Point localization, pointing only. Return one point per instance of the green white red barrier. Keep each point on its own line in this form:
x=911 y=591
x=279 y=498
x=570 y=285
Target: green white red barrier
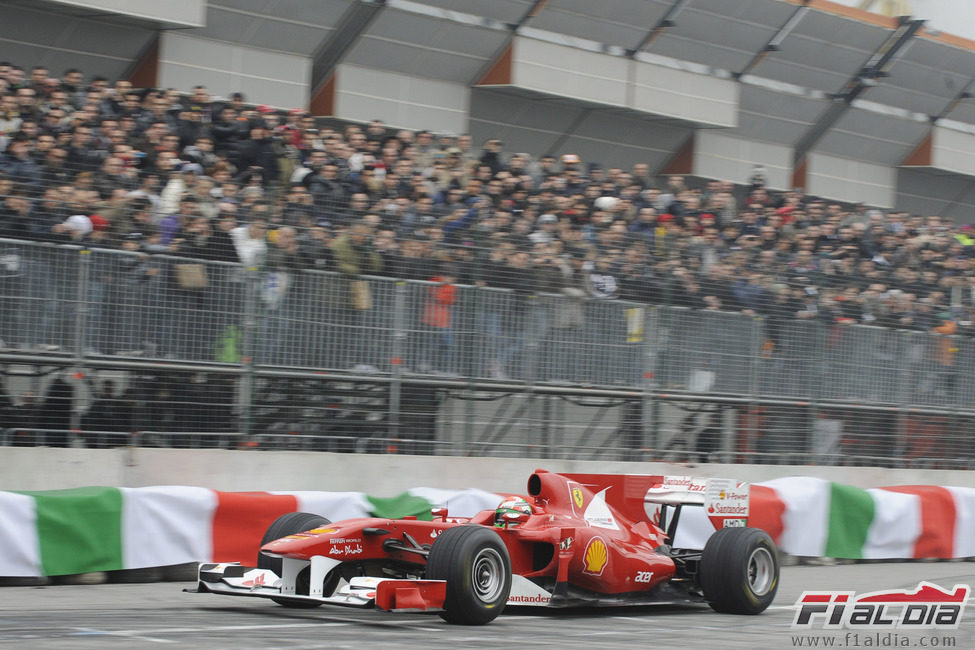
x=62 y=532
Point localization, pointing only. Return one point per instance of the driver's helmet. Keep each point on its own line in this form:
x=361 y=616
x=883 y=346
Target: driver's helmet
x=511 y=505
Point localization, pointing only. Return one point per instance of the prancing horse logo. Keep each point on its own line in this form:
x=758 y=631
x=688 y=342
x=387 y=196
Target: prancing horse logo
x=577 y=496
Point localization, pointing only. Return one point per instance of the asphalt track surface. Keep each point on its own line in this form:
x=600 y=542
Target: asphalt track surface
x=160 y=615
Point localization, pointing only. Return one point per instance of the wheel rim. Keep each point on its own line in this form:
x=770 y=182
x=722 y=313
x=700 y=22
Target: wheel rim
x=761 y=571
x=487 y=575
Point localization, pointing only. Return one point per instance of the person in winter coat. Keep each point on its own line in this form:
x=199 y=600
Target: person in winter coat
x=436 y=321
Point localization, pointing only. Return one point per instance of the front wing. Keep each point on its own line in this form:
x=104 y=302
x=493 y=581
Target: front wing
x=233 y=579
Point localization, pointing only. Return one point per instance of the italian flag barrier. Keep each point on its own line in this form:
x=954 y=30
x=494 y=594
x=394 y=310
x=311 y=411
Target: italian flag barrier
x=63 y=532
x=818 y=518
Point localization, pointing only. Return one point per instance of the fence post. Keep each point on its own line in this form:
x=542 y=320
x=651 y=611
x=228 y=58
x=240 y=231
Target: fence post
x=248 y=353
x=533 y=331
x=815 y=394
x=651 y=316
x=478 y=361
x=398 y=351
x=81 y=329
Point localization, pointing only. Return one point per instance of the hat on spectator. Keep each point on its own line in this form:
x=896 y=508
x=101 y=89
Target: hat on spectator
x=665 y=217
x=134 y=236
x=548 y=218
x=571 y=159
x=80 y=223
x=296 y=111
x=98 y=222
x=264 y=108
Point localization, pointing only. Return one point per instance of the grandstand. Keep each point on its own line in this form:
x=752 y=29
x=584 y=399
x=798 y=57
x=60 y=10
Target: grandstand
x=683 y=229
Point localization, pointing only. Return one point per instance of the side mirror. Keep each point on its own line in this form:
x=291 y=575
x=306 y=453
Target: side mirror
x=439 y=512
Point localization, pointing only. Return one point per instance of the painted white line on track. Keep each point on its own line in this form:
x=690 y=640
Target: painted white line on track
x=215 y=628
x=464 y=641
x=88 y=631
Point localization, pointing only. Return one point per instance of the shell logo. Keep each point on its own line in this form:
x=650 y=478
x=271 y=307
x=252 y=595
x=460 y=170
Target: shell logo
x=577 y=497
x=596 y=557
x=322 y=531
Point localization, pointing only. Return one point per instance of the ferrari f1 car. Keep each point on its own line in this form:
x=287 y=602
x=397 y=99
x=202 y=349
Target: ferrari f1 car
x=574 y=540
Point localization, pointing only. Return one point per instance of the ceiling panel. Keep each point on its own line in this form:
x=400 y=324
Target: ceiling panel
x=775 y=117
x=323 y=13
x=507 y=11
x=426 y=47
x=926 y=77
x=721 y=34
x=822 y=50
x=964 y=112
x=877 y=138
x=623 y=22
x=261 y=31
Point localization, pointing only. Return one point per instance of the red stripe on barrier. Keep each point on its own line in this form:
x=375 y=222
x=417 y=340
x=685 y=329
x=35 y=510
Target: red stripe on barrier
x=241 y=520
x=938 y=514
x=765 y=511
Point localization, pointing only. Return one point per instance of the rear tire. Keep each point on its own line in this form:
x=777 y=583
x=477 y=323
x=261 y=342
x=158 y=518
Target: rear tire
x=288 y=524
x=739 y=571
x=475 y=563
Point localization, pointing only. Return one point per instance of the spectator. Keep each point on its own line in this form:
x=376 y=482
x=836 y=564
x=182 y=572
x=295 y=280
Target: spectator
x=354 y=256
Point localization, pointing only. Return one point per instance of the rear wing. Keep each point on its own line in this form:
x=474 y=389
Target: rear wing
x=725 y=501
x=659 y=499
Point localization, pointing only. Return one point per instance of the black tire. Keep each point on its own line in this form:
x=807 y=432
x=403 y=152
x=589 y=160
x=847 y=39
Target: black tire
x=475 y=563
x=288 y=524
x=739 y=571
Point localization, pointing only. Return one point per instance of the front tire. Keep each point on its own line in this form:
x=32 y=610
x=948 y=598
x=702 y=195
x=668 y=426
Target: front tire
x=475 y=563
x=288 y=524
x=739 y=571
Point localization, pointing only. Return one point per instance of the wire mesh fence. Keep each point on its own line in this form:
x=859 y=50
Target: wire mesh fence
x=104 y=347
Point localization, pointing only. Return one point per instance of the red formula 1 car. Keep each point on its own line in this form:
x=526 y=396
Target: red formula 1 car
x=575 y=540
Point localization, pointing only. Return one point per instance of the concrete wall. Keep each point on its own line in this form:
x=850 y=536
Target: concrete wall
x=48 y=469
x=186 y=13
x=264 y=76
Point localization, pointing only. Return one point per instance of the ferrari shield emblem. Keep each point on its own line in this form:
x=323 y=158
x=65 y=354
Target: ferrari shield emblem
x=577 y=496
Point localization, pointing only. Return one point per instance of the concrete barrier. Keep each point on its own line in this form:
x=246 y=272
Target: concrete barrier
x=42 y=468
x=171 y=507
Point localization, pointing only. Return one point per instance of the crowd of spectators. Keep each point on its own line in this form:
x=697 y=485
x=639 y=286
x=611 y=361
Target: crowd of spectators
x=155 y=171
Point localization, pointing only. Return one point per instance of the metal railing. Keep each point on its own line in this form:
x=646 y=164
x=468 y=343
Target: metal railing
x=317 y=360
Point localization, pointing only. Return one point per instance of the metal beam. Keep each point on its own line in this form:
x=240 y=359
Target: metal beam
x=668 y=20
x=530 y=13
x=876 y=67
x=333 y=49
x=774 y=43
x=967 y=92
x=569 y=131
